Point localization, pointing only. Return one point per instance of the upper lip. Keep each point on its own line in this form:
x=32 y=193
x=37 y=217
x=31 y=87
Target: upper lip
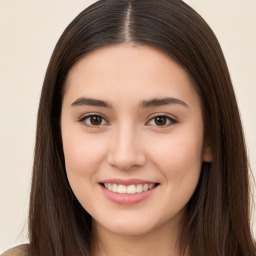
x=128 y=182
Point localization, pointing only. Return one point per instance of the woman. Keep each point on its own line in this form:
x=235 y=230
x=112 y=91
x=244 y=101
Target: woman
x=139 y=146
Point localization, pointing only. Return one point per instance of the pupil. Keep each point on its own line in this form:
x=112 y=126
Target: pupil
x=96 y=120
x=160 y=120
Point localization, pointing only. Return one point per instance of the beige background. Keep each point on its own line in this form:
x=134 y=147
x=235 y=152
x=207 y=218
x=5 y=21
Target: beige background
x=29 y=30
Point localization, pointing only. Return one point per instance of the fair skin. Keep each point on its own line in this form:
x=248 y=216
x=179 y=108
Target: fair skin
x=132 y=122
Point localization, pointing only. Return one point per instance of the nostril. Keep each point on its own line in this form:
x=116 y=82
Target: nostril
x=126 y=157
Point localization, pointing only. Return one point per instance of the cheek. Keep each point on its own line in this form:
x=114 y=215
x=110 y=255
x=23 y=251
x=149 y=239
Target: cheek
x=83 y=155
x=180 y=164
x=179 y=158
x=183 y=149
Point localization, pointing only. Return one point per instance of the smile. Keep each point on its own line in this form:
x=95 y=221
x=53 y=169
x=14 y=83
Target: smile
x=130 y=189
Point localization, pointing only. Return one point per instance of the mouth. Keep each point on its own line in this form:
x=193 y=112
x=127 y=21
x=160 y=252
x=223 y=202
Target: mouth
x=128 y=189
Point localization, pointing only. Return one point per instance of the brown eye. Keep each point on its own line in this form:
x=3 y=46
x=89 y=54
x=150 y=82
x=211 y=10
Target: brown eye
x=162 y=120
x=93 y=120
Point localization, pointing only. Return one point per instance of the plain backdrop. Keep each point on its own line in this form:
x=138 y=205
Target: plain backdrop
x=29 y=30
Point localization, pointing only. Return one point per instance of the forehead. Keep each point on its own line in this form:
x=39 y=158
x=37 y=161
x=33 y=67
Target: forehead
x=128 y=70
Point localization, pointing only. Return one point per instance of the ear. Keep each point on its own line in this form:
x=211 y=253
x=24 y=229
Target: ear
x=207 y=151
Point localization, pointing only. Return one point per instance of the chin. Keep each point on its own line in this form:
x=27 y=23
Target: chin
x=129 y=230
x=130 y=226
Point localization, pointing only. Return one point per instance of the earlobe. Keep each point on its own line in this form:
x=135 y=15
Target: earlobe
x=207 y=151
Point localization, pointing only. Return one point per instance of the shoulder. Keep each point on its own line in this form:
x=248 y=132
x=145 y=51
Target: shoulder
x=20 y=250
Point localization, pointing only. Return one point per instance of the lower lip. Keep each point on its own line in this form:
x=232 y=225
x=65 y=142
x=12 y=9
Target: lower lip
x=127 y=198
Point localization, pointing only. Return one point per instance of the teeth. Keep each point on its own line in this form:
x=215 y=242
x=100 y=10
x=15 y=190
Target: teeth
x=114 y=188
x=145 y=187
x=131 y=189
x=139 y=188
x=150 y=186
x=121 y=189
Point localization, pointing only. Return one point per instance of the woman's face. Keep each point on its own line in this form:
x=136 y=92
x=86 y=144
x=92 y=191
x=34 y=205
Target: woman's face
x=132 y=133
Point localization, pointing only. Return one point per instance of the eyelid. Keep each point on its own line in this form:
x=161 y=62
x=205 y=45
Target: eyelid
x=172 y=119
x=88 y=115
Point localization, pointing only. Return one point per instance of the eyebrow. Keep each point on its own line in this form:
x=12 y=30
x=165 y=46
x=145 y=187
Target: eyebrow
x=91 y=102
x=83 y=101
x=161 y=102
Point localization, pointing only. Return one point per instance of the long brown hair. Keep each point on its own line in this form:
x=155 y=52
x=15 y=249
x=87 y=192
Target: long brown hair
x=218 y=222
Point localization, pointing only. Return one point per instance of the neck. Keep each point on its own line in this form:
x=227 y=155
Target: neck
x=111 y=244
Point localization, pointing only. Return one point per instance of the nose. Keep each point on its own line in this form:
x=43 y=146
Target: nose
x=126 y=150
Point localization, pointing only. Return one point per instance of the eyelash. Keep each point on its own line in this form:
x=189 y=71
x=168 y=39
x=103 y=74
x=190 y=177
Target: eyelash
x=84 y=118
x=167 y=118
